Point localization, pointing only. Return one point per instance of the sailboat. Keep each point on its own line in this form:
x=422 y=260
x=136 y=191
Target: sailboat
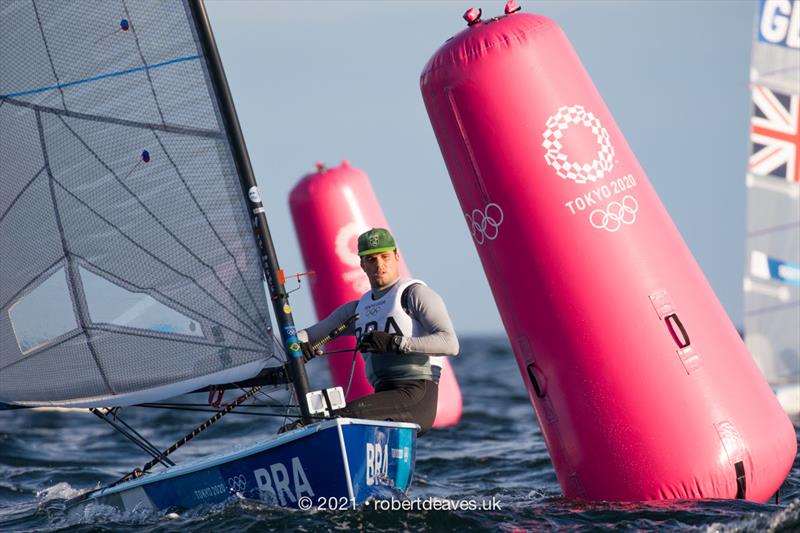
x=772 y=265
x=135 y=251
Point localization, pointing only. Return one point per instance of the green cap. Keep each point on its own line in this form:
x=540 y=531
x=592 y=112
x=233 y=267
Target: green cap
x=375 y=241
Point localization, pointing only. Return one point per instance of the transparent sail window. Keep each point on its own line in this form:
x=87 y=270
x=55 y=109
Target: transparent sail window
x=44 y=314
x=111 y=304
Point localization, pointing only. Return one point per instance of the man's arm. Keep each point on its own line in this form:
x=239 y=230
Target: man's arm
x=313 y=334
x=429 y=310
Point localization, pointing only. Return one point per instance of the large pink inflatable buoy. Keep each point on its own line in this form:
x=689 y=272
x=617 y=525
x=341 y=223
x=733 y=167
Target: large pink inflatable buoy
x=330 y=209
x=642 y=386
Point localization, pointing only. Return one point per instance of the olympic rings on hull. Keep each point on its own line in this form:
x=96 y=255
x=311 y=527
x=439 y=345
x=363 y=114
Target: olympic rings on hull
x=237 y=484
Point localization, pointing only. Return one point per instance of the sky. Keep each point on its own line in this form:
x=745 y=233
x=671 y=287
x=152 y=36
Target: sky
x=328 y=81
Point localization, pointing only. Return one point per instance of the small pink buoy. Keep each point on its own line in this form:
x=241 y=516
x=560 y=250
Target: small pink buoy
x=330 y=209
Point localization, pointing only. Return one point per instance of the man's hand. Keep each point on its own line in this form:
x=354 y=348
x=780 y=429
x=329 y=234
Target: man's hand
x=309 y=353
x=379 y=341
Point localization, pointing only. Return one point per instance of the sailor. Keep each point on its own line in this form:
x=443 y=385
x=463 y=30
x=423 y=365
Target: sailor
x=403 y=324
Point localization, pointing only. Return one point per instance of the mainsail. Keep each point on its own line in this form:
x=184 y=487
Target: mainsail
x=772 y=269
x=128 y=266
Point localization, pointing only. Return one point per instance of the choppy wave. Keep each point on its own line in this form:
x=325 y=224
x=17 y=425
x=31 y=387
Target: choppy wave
x=496 y=451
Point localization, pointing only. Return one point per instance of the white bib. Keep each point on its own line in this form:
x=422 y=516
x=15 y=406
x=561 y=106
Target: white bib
x=387 y=314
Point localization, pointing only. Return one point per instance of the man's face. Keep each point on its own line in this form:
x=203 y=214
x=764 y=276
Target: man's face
x=381 y=269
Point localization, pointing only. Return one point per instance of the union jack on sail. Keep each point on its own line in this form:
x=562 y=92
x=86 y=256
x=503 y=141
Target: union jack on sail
x=775 y=134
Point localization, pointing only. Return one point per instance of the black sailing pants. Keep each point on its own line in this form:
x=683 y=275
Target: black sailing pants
x=399 y=401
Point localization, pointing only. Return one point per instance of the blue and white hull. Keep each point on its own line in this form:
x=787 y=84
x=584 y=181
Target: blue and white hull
x=350 y=460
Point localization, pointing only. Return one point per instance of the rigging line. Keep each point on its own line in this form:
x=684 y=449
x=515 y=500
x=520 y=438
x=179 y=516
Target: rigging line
x=271 y=398
x=73 y=285
x=153 y=290
x=263 y=392
x=163 y=226
x=781 y=227
x=178 y=130
x=156 y=453
x=292 y=393
x=142 y=439
x=157 y=259
x=280 y=351
x=189 y=436
x=209 y=410
x=25 y=188
x=210 y=225
x=49 y=56
x=205 y=405
x=292 y=396
x=62 y=86
x=144 y=62
x=144 y=445
x=352 y=372
x=278 y=344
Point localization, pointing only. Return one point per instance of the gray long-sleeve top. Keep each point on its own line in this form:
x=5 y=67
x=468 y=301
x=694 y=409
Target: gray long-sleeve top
x=424 y=305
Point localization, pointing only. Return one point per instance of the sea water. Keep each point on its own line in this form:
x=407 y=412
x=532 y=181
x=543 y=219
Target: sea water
x=491 y=471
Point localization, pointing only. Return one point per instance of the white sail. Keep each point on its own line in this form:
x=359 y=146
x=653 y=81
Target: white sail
x=128 y=266
x=772 y=263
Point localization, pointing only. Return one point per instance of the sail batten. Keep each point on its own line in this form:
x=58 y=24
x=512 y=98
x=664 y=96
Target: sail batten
x=169 y=128
x=62 y=86
x=129 y=270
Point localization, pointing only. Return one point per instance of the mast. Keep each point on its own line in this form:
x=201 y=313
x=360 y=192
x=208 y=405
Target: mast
x=269 y=259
